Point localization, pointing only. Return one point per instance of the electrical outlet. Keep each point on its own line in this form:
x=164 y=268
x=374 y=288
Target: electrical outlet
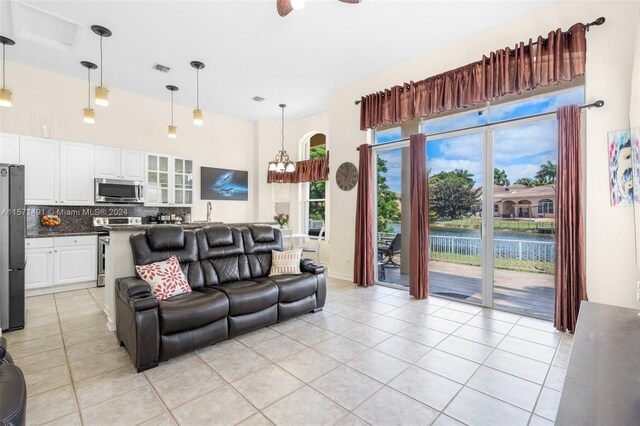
x=638 y=291
x=349 y=263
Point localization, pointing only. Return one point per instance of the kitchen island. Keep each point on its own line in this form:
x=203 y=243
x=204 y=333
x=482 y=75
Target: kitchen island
x=119 y=259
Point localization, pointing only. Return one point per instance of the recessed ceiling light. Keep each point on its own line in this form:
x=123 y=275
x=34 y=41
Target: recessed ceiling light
x=257 y=98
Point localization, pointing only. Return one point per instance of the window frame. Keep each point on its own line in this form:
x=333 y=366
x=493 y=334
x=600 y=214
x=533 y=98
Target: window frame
x=305 y=199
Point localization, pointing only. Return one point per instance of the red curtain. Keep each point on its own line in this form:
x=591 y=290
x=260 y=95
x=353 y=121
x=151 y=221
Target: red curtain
x=363 y=258
x=570 y=262
x=558 y=58
x=306 y=171
x=419 y=243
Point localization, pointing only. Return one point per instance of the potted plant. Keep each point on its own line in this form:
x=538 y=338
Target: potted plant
x=282 y=220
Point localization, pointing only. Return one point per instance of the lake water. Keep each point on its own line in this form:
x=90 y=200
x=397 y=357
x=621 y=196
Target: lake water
x=498 y=234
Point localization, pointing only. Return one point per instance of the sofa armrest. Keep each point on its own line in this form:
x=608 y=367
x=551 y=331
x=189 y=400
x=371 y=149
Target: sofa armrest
x=136 y=293
x=307 y=265
x=5 y=358
x=138 y=322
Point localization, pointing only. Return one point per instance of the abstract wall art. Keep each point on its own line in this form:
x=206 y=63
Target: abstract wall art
x=224 y=184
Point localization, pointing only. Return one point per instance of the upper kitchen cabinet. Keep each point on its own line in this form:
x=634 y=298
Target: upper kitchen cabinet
x=107 y=162
x=116 y=163
x=169 y=180
x=76 y=173
x=41 y=158
x=157 y=185
x=182 y=181
x=132 y=164
x=9 y=148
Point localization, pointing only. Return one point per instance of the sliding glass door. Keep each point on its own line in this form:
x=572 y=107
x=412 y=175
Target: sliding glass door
x=492 y=195
x=456 y=177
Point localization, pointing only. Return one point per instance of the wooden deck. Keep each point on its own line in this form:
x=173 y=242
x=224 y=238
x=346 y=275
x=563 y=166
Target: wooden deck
x=520 y=292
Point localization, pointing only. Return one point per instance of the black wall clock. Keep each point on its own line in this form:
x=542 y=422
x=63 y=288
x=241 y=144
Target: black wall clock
x=347 y=176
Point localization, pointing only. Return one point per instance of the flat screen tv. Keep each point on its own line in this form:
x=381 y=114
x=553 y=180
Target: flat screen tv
x=224 y=184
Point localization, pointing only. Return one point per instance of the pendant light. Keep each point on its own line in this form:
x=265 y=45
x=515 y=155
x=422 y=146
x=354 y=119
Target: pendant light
x=102 y=93
x=197 y=114
x=281 y=162
x=173 y=130
x=5 y=94
x=89 y=113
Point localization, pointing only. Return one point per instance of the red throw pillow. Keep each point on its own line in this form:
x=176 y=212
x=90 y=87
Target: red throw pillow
x=165 y=278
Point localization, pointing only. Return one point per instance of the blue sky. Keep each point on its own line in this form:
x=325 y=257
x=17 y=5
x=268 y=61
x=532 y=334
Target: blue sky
x=518 y=150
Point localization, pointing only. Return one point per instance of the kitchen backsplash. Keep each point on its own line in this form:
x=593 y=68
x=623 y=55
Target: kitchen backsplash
x=80 y=218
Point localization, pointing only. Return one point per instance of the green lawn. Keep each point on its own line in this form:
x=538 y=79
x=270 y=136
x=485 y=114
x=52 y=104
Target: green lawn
x=498 y=263
x=503 y=224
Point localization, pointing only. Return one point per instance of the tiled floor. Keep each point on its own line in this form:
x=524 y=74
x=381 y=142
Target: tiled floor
x=373 y=356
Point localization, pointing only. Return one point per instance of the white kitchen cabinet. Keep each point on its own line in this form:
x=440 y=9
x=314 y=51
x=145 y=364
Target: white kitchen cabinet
x=74 y=260
x=38 y=272
x=107 y=162
x=182 y=181
x=41 y=158
x=60 y=261
x=9 y=148
x=157 y=184
x=76 y=173
x=132 y=164
x=169 y=180
x=116 y=163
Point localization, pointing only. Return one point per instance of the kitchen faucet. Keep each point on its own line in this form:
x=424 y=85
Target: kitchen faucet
x=209 y=208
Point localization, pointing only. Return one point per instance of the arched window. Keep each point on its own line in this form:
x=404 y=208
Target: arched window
x=545 y=206
x=314 y=194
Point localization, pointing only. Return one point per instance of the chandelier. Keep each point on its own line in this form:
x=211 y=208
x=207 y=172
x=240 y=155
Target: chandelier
x=282 y=163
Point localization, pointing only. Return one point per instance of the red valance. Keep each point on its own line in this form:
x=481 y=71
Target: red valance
x=306 y=171
x=553 y=60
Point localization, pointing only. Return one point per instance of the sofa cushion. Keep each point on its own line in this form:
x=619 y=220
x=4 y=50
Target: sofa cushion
x=295 y=287
x=246 y=297
x=148 y=247
x=285 y=262
x=192 y=310
x=165 y=278
x=165 y=237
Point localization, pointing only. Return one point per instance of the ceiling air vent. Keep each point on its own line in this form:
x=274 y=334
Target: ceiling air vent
x=257 y=98
x=161 y=68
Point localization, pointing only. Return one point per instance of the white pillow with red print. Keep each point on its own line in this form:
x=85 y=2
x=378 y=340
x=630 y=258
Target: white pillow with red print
x=165 y=278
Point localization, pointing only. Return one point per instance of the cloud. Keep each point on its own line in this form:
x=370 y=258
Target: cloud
x=532 y=140
x=537 y=105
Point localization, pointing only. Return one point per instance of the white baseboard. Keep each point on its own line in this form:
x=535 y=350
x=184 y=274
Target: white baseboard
x=338 y=276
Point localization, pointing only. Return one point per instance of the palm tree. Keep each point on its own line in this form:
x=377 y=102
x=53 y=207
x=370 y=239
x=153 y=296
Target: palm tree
x=500 y=177
x=525 y=181
x=547 y=173
x=464 y=174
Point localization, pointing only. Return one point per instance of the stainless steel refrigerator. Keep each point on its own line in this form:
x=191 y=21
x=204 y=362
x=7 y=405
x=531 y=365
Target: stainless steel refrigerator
x=12 y=258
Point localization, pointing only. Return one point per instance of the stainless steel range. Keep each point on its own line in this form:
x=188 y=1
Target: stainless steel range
x=99 y=224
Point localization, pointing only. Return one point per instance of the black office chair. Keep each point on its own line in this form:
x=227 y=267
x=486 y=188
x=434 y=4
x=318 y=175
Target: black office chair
x=391 y=251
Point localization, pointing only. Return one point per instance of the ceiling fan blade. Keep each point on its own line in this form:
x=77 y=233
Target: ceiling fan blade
x=350 y=1
x=284 y=7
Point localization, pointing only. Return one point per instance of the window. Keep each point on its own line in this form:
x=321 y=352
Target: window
x=314 y=198
x=545 y=207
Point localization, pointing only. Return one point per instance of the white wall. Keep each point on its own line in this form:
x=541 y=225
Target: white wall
x=131 y=121
x=611 y=271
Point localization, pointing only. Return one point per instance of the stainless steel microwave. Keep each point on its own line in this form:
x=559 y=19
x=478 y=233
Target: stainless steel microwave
x=119 y=191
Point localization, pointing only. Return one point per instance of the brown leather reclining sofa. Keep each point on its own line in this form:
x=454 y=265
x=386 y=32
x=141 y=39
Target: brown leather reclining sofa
x=228 y=271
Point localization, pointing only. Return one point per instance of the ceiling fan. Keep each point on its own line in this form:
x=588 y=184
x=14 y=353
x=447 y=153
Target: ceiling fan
x=286 y=6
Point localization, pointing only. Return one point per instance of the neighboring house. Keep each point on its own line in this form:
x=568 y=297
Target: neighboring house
x=521 y=201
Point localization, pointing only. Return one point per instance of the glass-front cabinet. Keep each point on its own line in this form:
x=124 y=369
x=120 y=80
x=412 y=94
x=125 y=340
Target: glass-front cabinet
x=169 y=180
x=182 y=181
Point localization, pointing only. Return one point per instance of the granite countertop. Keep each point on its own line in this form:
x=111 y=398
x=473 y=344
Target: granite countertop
x=59 y=234
x=194 y=225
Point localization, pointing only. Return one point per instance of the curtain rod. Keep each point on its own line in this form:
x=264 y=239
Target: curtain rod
x=601 y=20
x=596 y=104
